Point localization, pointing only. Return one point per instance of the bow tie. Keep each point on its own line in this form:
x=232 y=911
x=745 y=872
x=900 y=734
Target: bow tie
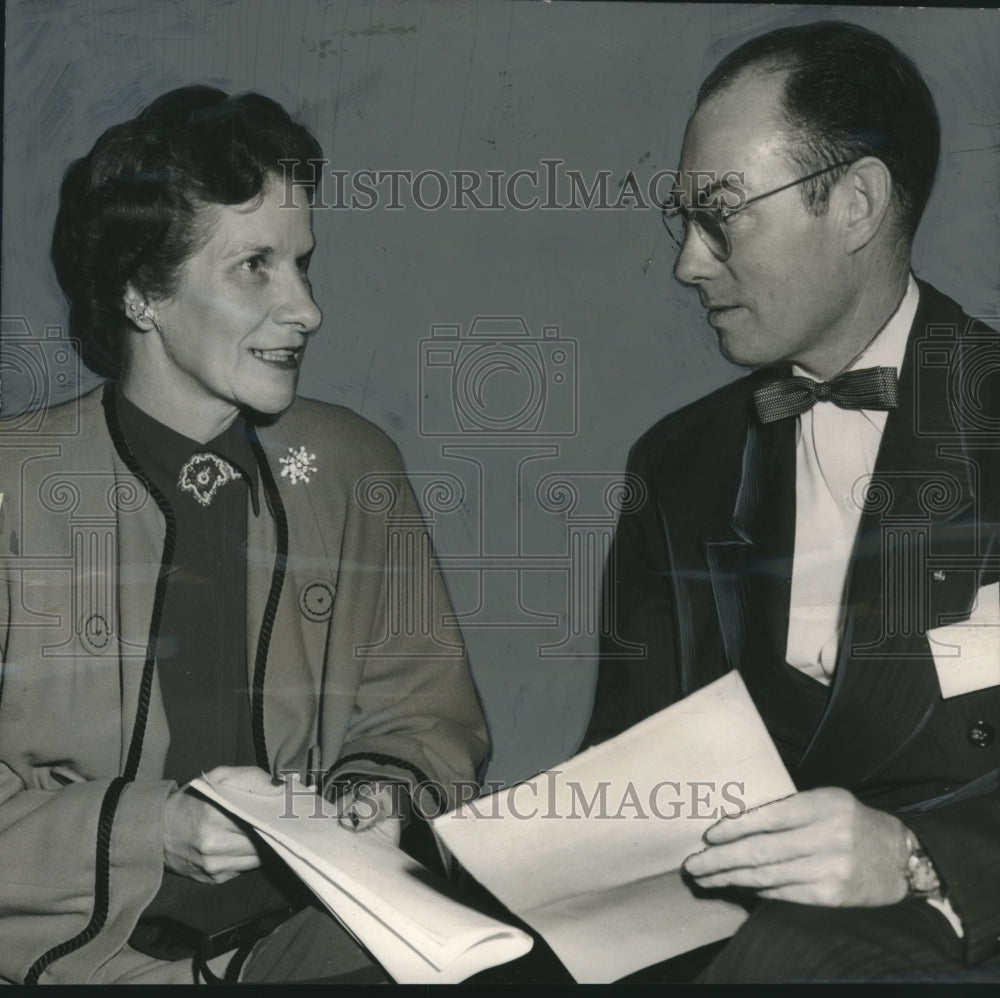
x=868 y=388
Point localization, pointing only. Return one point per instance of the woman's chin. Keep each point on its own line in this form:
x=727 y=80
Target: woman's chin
x=271 y=403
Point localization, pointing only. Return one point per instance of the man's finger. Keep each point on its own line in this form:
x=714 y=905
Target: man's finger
x=795 y=811
x=753 y=851
x=773 y=876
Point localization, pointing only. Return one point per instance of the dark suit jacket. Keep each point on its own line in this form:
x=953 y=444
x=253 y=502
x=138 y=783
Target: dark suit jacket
x=700 y=571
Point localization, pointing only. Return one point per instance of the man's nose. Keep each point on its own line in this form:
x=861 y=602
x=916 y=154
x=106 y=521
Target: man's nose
x=695 y=262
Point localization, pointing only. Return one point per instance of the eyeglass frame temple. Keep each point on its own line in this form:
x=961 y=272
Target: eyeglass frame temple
x=725 y=212
x=729 y=212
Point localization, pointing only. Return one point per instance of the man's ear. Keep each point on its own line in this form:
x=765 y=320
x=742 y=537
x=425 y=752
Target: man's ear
x=138 y=310
x=866 y=190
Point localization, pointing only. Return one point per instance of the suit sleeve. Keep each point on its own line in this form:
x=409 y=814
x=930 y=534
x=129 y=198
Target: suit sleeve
x=963 y=840
x=962 y=833
x=638 y=672
x=416 y=717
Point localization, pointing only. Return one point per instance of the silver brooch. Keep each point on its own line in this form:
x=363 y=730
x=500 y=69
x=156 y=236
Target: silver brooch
x=204 y=474
x=299 y=466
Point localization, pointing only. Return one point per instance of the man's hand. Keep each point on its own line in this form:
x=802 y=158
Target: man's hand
x=200 y=840
x=820 y=847
x=369 y=806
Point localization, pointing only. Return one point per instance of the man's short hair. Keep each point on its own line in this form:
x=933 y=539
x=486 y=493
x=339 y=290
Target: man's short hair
x=849 y=93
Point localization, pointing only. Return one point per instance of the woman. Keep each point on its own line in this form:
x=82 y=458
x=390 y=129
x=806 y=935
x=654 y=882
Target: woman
x=196 y=566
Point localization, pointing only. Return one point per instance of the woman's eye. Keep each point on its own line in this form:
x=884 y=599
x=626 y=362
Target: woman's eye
x=254 y=264
x=303 y=264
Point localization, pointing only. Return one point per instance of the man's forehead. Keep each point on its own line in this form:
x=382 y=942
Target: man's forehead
x=738 y=129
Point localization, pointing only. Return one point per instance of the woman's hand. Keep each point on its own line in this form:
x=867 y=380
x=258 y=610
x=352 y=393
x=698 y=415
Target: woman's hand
x=201 y=841
x=368 y=806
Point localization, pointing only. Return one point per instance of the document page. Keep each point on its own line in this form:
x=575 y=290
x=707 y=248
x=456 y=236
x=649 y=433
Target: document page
x=405 y=916
x=589 y=853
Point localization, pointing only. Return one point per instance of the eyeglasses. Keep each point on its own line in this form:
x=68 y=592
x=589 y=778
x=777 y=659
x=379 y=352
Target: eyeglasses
x=711 y=222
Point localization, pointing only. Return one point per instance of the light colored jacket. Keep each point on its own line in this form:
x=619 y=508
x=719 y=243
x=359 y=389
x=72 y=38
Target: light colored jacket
x=354 y=670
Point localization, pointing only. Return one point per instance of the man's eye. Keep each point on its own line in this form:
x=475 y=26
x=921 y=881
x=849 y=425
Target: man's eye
x=254 y=264
x=303 y=264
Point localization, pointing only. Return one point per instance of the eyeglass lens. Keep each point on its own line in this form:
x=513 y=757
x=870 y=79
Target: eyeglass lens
x=711 y=228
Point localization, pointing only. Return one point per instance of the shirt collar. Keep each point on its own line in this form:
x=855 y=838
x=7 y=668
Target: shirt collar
x=162 y=451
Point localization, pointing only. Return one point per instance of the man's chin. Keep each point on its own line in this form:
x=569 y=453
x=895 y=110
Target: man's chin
x=738 y=352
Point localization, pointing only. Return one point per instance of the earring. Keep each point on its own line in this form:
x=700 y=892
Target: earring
x=139 y=312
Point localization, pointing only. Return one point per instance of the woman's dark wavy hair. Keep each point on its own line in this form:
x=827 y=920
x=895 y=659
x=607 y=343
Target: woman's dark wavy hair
x=849 y=93
x=128 y=209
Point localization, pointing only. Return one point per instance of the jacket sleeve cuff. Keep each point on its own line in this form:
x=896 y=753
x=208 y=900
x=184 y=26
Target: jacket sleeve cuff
x=135 y=870
x=420 y=794
x=960 y=838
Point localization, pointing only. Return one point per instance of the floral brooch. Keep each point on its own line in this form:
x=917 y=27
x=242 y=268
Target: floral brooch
x=299 y=466
x=204 y=474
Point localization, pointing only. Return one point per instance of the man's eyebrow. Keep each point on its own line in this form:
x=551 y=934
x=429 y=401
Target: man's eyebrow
x=698 y=197
x=697 y=186
x=712 y=188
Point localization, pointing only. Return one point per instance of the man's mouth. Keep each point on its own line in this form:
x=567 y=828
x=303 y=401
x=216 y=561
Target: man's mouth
x=285 y=358
x=716 y=312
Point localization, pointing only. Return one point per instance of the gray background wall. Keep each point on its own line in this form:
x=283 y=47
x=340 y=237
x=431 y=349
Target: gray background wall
x=479 y=86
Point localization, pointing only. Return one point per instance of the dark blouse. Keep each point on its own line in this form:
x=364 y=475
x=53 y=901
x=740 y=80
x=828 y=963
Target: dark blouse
x=201 y=650
x=201 y=657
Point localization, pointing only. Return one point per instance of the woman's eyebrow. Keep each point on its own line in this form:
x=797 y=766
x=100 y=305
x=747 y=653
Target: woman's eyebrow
x=240 y=251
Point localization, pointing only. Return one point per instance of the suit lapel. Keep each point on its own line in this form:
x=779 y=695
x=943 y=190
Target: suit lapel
x=917 y=514
x=747 y=548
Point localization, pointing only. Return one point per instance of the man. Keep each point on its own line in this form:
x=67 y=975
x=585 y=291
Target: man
x=815 y=532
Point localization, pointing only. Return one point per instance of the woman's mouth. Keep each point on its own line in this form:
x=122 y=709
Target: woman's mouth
x=285 y=358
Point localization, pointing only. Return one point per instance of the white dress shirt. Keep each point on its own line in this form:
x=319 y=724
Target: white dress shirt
x=835 y=451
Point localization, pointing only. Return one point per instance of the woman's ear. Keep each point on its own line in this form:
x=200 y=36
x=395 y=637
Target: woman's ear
x=867 y=190
x=138 y=310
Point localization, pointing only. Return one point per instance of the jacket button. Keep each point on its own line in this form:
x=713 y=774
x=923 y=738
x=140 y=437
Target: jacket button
x=981 y=734
x=316 y=599
x=938 y=575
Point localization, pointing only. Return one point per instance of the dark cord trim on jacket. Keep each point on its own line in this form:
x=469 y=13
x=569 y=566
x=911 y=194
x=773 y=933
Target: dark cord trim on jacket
x=102 y=886
x=277 y=509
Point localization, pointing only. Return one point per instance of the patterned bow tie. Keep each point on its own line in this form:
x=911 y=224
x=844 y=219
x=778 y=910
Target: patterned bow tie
x=868 y=388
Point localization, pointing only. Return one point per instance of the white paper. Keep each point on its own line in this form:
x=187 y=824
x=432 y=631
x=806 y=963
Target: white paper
x=393 y=905
x=604 y=889
x=967 y=654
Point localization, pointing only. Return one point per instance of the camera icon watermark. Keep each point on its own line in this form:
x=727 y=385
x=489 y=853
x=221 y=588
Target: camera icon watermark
x=498 y=380
x=35 y=372
x=957 y=371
